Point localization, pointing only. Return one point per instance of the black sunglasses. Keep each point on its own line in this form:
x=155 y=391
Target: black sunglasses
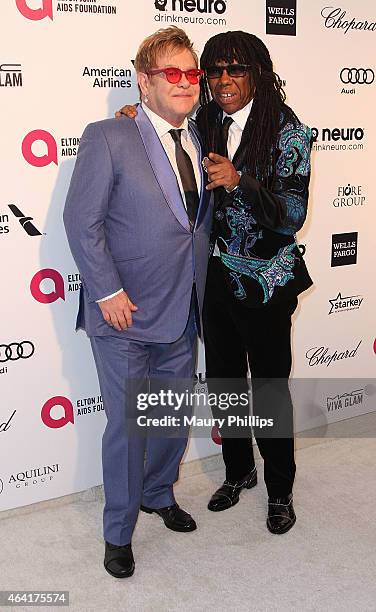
x=233 y=70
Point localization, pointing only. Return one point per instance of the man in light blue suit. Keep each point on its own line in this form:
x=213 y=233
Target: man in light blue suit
x=138 y=219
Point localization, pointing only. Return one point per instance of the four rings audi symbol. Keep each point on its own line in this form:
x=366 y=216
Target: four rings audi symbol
x=16 y=350
x=357 y=76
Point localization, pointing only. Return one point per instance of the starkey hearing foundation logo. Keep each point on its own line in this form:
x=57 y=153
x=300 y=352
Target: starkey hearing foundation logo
x=344 y=303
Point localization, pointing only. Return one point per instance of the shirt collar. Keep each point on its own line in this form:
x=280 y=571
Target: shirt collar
x=161 y=126
x=241 y=116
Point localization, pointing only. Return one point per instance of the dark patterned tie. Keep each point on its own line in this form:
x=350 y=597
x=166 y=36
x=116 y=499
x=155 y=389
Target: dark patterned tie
x=224 y=136
x=187 y=176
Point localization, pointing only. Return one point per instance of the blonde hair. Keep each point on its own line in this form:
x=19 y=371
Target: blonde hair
x=160 y=42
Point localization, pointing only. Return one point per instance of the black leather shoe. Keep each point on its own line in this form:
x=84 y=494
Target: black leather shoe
x=118 y=560
x=174 y=517
x=281 y=515
x=228 y=494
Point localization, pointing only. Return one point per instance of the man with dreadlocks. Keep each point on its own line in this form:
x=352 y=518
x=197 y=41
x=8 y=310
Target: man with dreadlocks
x=260 y=172
x=259 y=167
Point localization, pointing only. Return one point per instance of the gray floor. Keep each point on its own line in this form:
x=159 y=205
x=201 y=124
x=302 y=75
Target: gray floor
x=326 y=563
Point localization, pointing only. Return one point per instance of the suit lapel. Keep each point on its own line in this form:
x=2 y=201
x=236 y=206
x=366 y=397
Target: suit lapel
x=162 y=168
x=204 y=195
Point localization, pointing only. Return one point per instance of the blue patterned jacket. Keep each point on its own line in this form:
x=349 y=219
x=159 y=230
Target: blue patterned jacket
x=255 y=227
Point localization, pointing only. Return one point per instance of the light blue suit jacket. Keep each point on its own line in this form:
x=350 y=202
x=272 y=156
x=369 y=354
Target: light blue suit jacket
x=127 y=227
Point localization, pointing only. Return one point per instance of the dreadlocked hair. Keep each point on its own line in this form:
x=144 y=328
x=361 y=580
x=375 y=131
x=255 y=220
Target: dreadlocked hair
x=263 y=124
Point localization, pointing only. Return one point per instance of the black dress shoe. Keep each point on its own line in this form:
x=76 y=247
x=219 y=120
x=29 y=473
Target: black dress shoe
x=281 y=515
x=174 y=517
x=228 y=494
x=118 y=560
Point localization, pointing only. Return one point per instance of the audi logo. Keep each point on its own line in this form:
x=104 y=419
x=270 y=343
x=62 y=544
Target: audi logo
x=16 y=350
x=357 y=76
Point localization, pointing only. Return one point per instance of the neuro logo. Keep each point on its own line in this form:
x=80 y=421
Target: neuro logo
x=66 y=404
x=328 y=134
x=189 y=6
x=25 y=222
x=43 y=160
x=52 y=296
x=35 y=14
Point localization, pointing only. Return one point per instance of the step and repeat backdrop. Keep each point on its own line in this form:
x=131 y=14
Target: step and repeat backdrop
x=66 y=64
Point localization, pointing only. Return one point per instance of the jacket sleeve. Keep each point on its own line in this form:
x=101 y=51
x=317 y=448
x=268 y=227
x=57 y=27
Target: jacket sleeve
x=85 y=213
x=284 y=209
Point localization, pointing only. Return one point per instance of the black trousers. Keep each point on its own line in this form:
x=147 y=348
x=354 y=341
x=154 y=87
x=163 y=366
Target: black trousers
x=236 y=337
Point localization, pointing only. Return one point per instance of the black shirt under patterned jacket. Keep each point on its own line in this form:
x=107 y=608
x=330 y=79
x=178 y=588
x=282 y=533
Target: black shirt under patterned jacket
x=255 y=227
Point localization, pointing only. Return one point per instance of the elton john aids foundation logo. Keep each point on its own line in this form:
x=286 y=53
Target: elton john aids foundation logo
x=47 y=297
x=62 y=402
x=39 y=160
x=35 y=14
x=215 y=435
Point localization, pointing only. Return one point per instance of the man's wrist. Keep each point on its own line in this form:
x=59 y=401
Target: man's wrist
x=233 y=188
x=108 y=297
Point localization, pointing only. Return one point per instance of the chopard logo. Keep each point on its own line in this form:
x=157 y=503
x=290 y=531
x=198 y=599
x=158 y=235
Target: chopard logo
x=357 y=76
x=6 y=425
x=16 y=350
x=322 y=356
x=335 y=18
